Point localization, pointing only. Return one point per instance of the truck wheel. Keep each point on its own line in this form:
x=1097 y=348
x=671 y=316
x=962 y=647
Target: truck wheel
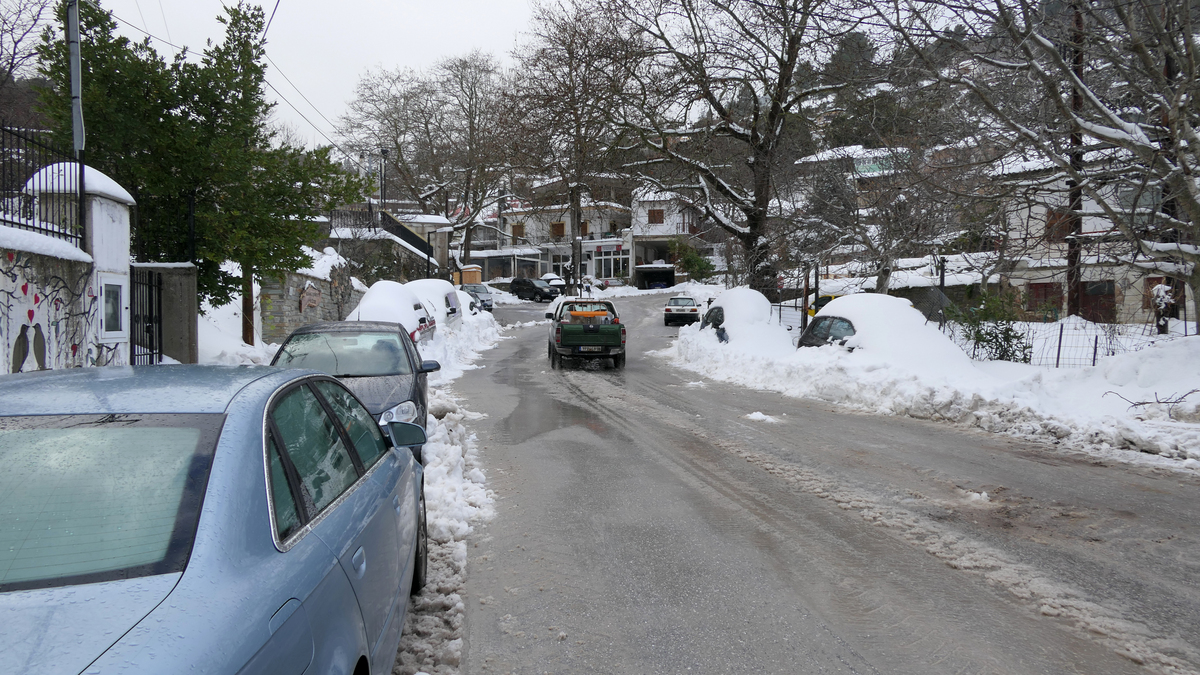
x=555 y=360
x=619 y=361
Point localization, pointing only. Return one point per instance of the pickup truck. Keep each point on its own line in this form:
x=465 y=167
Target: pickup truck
x=588 y=329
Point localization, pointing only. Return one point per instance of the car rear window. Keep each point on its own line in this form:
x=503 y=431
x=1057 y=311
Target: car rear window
x=684 y=302
x=346 y=354
x=88 y=498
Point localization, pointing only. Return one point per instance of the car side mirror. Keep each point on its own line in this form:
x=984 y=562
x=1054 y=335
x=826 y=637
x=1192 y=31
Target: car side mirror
x=407 y=435
x=549 y=315
x=422 y=320
x=452 y=310
x=429 y=367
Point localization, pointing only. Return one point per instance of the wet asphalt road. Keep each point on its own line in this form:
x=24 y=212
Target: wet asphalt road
x=644 y=525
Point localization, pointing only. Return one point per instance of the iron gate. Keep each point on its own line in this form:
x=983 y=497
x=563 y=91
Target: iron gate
x=145 y=320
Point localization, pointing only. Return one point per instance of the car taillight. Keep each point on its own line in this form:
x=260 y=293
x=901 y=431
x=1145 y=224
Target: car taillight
x=622 y=336
x=558 y=335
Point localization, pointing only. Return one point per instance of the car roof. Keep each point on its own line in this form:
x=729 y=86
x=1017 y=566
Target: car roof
x=347 y=327
x=133 y=389
x=682 y=297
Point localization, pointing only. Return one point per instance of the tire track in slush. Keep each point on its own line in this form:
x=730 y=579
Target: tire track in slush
x=1152 y=648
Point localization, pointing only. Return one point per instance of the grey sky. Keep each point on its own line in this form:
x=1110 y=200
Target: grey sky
x=323 y=47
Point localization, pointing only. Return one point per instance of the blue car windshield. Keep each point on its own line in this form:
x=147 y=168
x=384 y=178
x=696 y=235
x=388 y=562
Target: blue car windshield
x=88 y=498
x=346 y=354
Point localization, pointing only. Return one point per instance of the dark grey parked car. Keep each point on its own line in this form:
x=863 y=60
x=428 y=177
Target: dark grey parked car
x=374 y=359
x=826 y=330
x=533 y=289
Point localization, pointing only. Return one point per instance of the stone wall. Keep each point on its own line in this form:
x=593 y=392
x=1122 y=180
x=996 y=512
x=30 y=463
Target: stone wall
x=49 y=314
x=298 y=299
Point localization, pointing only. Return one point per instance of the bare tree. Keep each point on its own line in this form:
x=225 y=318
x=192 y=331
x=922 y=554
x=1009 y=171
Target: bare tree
x=20 y=21
x=717 y=91
x=563 y=91
x=1116 y=83
x=437 y=134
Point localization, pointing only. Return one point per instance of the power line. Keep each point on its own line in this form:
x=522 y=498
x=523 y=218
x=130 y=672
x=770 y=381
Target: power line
x=264 y=33
x=283 y=98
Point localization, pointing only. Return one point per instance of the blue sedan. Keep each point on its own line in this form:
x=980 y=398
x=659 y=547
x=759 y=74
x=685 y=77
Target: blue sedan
x=196 y=519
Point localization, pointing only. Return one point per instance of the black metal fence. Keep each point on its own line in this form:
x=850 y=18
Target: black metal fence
x=40 y=186
x=145 y=320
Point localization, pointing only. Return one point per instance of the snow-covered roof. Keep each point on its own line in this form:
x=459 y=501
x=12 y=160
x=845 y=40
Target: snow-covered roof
x=62 y=178
x=422 y=219
x=506 y=252
x=375 y=234
x=847 y=152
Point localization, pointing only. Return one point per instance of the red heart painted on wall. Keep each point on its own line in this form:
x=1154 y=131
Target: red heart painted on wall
x=25 y=288
x=31 y=316
x=36 y=300
x=74 y=348
x=10 y=257
x=57 y=303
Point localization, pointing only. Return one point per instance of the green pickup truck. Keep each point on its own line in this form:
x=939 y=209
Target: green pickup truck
x=587 y=329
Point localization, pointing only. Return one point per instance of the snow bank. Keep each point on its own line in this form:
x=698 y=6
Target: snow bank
x=902 y=367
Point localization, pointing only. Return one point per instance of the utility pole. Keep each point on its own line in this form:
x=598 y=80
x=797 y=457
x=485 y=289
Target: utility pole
x=1074 y=241
x=78 y=135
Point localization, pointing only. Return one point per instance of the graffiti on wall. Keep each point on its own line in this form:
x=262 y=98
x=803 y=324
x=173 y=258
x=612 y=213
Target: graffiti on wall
x=49 y=315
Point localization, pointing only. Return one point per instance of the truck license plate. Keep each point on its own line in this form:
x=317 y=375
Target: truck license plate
x=590 y=349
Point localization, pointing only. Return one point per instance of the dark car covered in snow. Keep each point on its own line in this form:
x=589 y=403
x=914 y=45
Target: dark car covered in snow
x=376 y=360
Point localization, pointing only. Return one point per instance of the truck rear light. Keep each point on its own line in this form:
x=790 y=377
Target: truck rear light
x=622 y=336
x=558 y=335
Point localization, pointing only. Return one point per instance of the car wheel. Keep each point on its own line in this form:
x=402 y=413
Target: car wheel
x=619 y=361
x=421 y=560
x=666 y=322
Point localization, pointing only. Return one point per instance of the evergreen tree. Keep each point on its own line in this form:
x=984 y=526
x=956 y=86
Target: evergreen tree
x=185 y=133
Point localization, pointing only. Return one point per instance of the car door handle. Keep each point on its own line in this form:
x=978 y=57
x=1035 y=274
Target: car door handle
x=359 y=562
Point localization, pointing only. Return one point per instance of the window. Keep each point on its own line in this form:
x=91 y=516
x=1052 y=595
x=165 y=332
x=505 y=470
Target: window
x=612 y=226
x=1043 y=296
x=359 y=425
x=315 y=447
x=346 y=353
x=1058 y=225
x=583 y=228
x=90 y=498
x=557 y=229
x=114 y=306
x=656 y=216
x=610 y=262
x=518 y=230
x=287 y=515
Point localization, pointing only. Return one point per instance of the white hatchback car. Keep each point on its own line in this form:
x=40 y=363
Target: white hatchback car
x=681 y=309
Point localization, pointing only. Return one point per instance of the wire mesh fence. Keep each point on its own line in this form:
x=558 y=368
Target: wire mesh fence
x=1074 y=342
x=40 y=186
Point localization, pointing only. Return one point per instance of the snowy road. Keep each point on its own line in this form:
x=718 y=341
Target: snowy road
x=649 y=522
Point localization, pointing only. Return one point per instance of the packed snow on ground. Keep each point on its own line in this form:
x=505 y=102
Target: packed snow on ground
x=456 y=497
x=1126 y=407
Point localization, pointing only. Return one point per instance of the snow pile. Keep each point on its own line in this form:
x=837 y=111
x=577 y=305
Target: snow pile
x=219 y=331
x=387 y=301
x=900 y=366
x=458 y=347
x=456 y=499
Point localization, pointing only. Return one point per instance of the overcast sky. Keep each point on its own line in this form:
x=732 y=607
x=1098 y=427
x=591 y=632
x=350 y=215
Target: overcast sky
x=324 y=47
